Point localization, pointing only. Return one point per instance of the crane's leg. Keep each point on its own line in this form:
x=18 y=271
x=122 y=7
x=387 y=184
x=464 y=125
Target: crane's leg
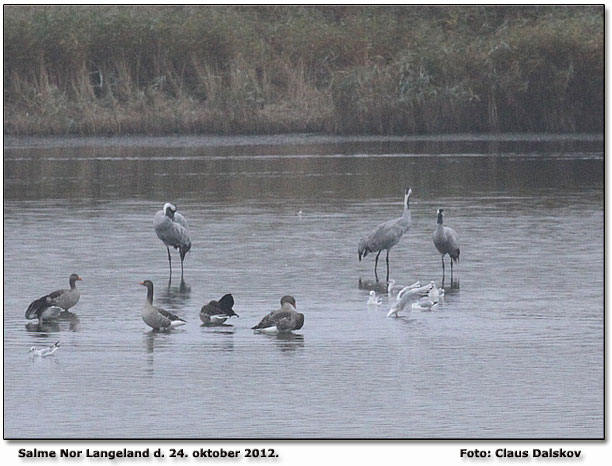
x=376 y=265
x=442 y=270
x=387 y=266
x=451 y=262
x=169 y=260
x=182 y=268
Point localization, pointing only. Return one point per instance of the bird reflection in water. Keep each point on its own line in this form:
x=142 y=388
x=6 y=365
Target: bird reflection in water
x=287 y=342
x=379 y=287
x=223 y=329
x=46 y=326
x=174 y=295
x=74 y=323
x=53 y=326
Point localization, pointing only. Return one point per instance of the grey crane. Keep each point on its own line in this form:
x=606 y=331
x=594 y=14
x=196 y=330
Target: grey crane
x=446 y=241
x=171 y=227
x=50 y=306
x=386 y=235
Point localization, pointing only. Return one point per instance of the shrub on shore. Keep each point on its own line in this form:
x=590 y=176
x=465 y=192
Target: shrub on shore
x=342 y=69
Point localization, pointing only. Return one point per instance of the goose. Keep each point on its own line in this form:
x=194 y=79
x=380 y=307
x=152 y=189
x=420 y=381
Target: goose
x=374 y=300
x=44 y=352
x=446 y=241
x=282 y=320
x=50 y=306
x=386 y=235
x=171 y=227
x=156 y=317
x=217 y=312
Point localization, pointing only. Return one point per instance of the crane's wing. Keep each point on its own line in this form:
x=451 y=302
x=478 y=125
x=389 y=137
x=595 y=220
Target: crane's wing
x=178 y=218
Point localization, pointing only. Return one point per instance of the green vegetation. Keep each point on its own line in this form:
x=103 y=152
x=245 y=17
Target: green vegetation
x=268 y=69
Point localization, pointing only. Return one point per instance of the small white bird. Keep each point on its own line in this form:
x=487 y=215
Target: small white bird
x=425 y=304
x=392 y=287
x=436 y=293
x=430 y=296
x=44 y=352
x=413 y=290
x=374 y=300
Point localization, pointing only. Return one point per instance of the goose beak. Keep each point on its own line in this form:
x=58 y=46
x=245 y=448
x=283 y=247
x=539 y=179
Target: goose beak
x=141 y=283
x=79 y=278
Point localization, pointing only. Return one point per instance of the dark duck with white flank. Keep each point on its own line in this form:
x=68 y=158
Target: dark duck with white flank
x=217 y=312
x=50 y=306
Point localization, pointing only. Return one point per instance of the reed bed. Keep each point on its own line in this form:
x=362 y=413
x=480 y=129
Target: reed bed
x=95 y=70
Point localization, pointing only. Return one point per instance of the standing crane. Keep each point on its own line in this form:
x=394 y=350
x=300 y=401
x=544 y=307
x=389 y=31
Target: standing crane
x=386 y=235
x=446 y=241
x=171 y=227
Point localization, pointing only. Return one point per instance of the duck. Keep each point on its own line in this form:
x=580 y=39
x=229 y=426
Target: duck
x=156 y=317
x=44 y=352
x=283 y=320
x=217 y=312
x=50 y=306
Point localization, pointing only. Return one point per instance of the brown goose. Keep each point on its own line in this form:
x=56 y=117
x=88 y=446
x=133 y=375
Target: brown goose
x=50 y=306
x=282 y=320
x=156 y=317
x=217 y=312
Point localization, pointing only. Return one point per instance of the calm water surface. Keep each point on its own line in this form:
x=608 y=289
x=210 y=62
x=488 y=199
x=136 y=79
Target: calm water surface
x=516 y=351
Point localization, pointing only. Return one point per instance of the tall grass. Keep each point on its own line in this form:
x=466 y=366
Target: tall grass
x=343 y=69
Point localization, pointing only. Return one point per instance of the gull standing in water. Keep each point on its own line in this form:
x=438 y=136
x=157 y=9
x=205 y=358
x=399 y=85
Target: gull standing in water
x=171 y=227
x=156 y=317
x=446 y=241
x=386 y=235
x=282 y=320
x=217 y=312
x=374 y=300
x=44 y=352
x=50 y=306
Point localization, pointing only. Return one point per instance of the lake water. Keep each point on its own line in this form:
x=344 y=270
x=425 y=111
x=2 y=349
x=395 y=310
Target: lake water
x=516 y=351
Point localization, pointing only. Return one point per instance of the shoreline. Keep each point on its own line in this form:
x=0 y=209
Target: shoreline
x=215 y=140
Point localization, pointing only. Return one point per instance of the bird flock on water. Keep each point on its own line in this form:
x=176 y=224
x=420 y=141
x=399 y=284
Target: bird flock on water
x=172 y=229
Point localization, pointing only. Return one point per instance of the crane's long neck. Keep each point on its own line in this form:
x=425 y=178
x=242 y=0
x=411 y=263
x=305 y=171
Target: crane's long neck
x=406 y=215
